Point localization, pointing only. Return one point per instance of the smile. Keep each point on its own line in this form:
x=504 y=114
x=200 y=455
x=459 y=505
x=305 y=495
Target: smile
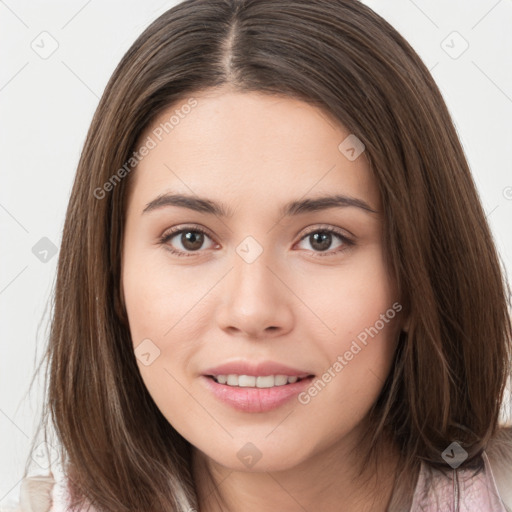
x=251 y=394
x=252 y=381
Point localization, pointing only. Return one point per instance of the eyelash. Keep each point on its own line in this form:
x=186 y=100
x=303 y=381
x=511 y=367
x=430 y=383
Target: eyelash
x=196 y=229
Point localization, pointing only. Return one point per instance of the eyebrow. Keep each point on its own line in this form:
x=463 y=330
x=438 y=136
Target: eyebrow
x=219 y=209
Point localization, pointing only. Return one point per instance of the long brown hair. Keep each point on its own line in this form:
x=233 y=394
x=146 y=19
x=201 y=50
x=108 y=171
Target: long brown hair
x=451 y=367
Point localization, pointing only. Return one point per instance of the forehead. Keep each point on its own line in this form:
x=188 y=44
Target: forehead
x=249 y=147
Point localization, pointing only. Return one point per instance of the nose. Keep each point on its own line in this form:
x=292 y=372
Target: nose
x=256 y=300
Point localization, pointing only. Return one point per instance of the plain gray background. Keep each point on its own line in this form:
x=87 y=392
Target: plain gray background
x=56 y=60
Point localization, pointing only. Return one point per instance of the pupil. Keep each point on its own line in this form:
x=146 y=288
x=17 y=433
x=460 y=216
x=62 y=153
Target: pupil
x=192 y=240
x=324 y=243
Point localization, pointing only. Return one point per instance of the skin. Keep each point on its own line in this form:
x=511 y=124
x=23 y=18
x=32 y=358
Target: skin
x=295 y=304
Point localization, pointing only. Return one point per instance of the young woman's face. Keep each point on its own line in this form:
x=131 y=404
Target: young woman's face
x=269 y=288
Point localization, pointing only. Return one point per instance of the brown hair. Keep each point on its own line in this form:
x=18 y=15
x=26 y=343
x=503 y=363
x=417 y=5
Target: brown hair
x=451 y=367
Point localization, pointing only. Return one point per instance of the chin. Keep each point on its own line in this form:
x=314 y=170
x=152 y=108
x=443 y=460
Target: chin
x=257 y=457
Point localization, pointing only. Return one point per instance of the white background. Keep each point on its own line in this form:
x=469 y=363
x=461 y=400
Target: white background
x=46 y=106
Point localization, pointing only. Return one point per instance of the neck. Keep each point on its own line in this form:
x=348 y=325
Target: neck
x=326 y=481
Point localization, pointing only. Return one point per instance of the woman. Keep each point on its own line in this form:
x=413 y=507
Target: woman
x=277 y=287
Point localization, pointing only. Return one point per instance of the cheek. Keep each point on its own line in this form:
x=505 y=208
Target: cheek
x=361 y=310
x=351 y=299
x=357 y=363
x=157 y=316
x=166 y=309
x=160 y=299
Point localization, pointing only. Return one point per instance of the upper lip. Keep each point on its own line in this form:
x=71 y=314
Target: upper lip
x=256 y=369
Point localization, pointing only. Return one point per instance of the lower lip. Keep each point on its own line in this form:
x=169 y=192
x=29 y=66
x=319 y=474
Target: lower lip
x=255 y=399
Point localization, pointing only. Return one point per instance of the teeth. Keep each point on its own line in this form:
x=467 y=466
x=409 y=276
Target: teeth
x=246 y=381
x=232 y=380
x=271 y=381
x=250 y=381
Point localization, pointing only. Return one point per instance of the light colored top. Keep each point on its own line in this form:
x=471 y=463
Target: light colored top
x=434 y=492
x=437 y=492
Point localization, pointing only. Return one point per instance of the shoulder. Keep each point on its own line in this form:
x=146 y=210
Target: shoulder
x=35 y=495
x=44 y=493
x=499 y=453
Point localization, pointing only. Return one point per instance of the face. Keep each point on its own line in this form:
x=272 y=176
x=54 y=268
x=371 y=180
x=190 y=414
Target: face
x=256 y=288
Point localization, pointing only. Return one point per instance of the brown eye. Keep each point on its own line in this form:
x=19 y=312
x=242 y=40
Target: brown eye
x=185 y=241
x=192 y=240
x=321 y=240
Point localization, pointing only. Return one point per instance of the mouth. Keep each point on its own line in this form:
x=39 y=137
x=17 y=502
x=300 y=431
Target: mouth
x=257 y=381
x=256 y=394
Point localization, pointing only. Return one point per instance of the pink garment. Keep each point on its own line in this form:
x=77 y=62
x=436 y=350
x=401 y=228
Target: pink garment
x=476 y=493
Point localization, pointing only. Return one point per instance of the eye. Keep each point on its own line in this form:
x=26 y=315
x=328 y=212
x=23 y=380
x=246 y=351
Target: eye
x=191 y=240
x=321 y=240
x=193 y=237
